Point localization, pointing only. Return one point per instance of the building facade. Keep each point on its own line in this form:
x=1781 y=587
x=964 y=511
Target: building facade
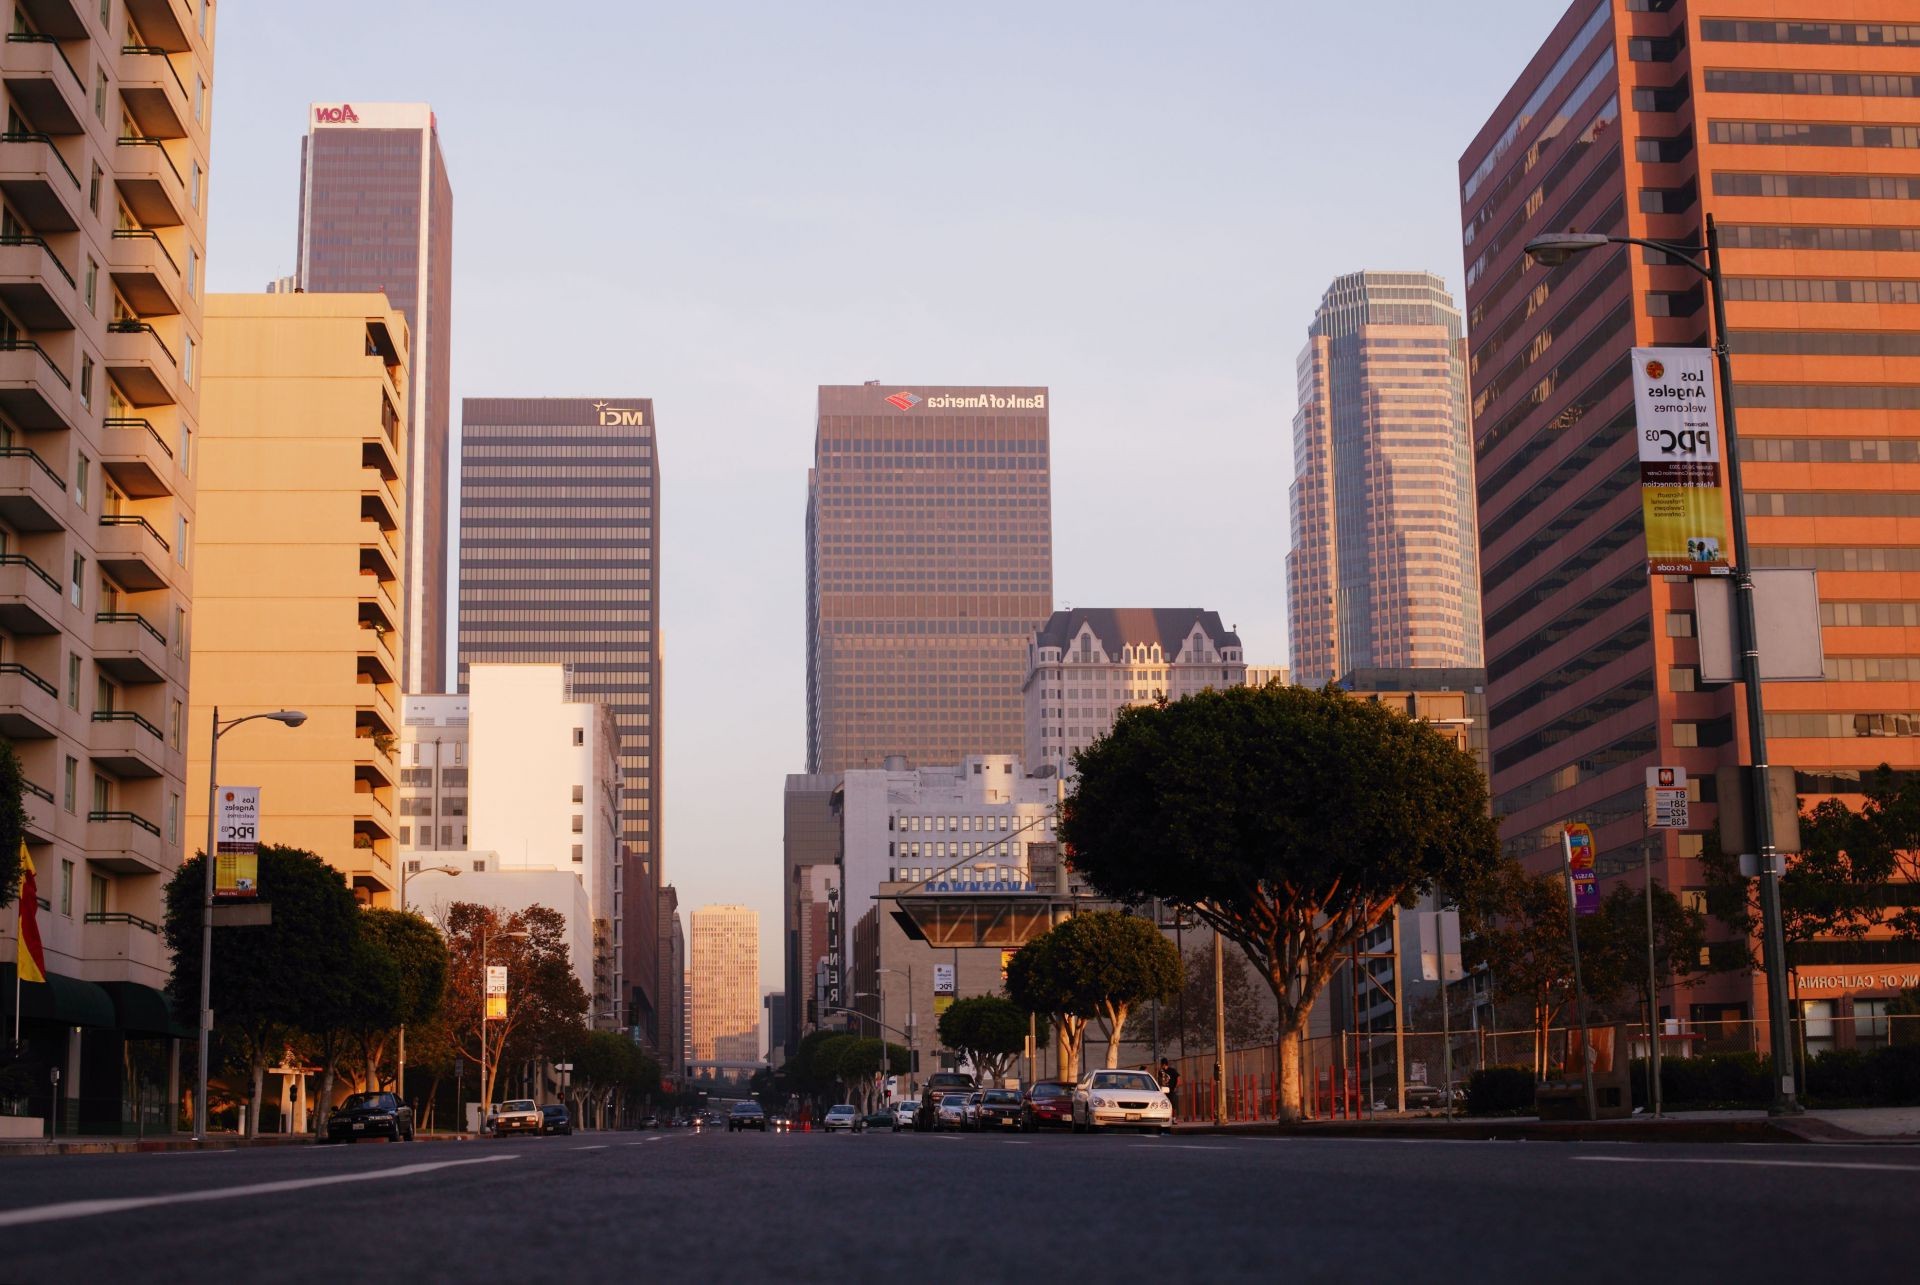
x=1794 y=129
x=102 y=252
x=376 y=215
x=303 y=502
x=723 y=971
x=1086 y=665
x=929 y=565
x=434 y=777
x=559 y=564
x=672 y=965
x=809 y=842
x=1385 y=555
x=674 y=988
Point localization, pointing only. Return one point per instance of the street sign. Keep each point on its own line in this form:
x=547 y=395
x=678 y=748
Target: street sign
x=236 y=866
x=1439 y=932
x=1667 y=809
x=943 y=979
x=1666 y=778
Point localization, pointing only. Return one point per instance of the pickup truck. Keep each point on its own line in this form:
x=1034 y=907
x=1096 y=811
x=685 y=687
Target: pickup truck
x=518 y=1116
x=938 y=1085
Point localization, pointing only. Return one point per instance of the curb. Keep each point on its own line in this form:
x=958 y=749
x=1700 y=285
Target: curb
x=1694 y=1131
x=139 y=1146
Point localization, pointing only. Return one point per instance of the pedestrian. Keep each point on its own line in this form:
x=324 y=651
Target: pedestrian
x=1169 y=1077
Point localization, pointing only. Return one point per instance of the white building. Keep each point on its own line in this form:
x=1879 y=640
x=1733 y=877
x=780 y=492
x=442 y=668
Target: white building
x=1261 y=675
x=1084 y=666
x=481 y=879
x=433 y=775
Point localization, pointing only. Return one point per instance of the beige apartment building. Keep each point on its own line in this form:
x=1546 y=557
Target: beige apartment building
x=723 y=976
x=302 y=493
x=102 y=241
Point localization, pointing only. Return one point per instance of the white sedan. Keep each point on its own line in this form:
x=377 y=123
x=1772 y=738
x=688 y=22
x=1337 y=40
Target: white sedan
x=842 y=1117
x=1130 y=1099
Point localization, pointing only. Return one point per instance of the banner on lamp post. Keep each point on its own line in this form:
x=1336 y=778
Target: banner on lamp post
x=236 y=865
x=1678 y=427
x=496 y=992
x=1581 y=875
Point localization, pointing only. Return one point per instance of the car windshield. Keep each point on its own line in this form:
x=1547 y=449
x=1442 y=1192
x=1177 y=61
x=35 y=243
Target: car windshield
x=746 y=1108
x=1138 y=1081
x=1049 y=1091
x=519 y=1104
x=555 y=1109
x=1004 y=1097
x=369 y=1102
x=841 y=1110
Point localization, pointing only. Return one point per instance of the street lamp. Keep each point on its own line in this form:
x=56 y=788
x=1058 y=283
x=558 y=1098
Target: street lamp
x=1556 y=248
x=292 y=718
x=883 y=1014
x=485 y=938
x=400 y=1057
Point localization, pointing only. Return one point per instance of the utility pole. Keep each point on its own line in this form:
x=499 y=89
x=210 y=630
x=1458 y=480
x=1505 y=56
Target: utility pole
x=1219 y=1030
x=1653 y=989
x=1399 y=1023
x=1579 y=987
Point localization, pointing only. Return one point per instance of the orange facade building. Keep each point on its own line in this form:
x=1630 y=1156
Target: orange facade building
x=1797 y=125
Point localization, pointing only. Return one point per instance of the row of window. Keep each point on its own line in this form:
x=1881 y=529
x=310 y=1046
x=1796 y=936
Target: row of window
x=1830 y=450
x=1821 y=290
x=1812 y=134
x=1748 y=31
x=1823 y=83
x=1828 y=396
x=1832 y=504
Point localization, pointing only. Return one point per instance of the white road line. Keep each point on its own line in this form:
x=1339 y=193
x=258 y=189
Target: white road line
x=92 y=1208
x=601 y=1147
x=1764 y=1164
x=1175 y=1146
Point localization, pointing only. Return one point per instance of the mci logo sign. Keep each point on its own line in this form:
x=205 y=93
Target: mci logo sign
x=619 y=416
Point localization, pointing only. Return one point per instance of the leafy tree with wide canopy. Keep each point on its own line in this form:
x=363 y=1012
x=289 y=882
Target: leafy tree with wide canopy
x=546 y=1005
x=1038 y=981
x=419 y=956
x=990 y=1031
x=1292 y=820
x=1100 y=965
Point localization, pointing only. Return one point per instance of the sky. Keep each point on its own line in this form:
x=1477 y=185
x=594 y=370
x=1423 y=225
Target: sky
x=722 y=206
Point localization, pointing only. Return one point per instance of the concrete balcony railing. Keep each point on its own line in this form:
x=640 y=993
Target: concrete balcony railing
x=29 y=704
x=125 y=843
x=111 y=934
x=127 y=744
x=35 y=285
x=130 y=647
x=144 y=272
x=39 y=183
x=32 y=496
x=42 y=813
x=163 y=23
x=150 y=183
x=140 y=362
x=138 y=459
x=31 y=601
x=153 y=92
x=34 y=392
x=43 y=81
x=133 y=552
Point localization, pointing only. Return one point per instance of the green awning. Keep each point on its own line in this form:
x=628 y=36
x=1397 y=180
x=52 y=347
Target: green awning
x=140 y=1010
x=63 y=999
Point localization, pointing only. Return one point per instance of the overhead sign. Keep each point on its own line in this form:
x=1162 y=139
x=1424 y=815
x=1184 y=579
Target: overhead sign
x=236 y=867
x=943 y=979
x=1581 y=875
x=496 y=991
x=1681 y=504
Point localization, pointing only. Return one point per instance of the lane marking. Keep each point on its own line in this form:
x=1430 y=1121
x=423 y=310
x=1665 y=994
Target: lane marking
x=92 y=1208
x=601 y=1147
x=1763 y=1164
x=1174 y=1146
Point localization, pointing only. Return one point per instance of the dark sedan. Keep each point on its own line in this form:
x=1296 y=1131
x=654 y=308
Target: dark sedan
x=999 y=1109
x=554 y=1119
x=370 y=1115
x=746 y=1115
x=1047 y=1103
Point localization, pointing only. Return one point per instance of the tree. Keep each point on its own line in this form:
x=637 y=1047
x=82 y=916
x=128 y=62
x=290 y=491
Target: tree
x=340 y=1018
x=1108 y=962
x=1880 y=846
x=1247 y=1021
x=814 y=1069
x=546 y=1005
x=1835 y=886
x=1291 y=820
x=13 y=823
x=1037 y=982
x=419 y=956
x=990 y=1031
x=272 y=980
x=856 y=1067
x=612 y=1072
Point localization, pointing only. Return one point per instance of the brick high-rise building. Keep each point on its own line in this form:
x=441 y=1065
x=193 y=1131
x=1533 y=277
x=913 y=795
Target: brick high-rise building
x=376 y=214
x=1384 y=564
x=559 y=562
x=929 y=566
x=1795 y=125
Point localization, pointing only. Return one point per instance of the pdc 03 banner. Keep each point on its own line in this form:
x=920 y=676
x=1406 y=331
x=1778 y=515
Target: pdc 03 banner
x=1679 y=430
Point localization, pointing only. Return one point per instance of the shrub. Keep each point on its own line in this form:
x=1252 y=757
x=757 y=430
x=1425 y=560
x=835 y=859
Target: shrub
x=1500 y=1090
x=1840 y=1075
x=1716 y=1079
x=1895 y=1074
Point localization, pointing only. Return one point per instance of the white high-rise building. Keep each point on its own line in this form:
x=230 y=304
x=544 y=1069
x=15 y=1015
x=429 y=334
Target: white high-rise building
x=723 y=978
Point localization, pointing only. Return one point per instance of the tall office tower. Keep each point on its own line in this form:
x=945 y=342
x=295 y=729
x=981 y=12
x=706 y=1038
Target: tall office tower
x=1384 y=562
x=559 y=559
x=723 y=970
x=809 y=843
x=376 y=214
x=1087 y=664
x=673 y=1002
x=929 y=566
x=302 y=495
x=102 y=244
x=1795 y=132
x=670 y=1035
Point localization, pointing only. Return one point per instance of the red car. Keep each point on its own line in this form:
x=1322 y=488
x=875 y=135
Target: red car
x=1047 y=1102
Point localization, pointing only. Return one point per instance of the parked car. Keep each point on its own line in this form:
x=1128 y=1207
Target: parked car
x=746 y=1115
x=521 y=1115
x=370 y=1115
x=1124 y=1098
x=938 y=1086
x=954 y=1112
x=903 y=1113
x=843 y=1118
x=780 y=1124
x=1047 y=1104
x=554 y=1118
x=998 y=1109
x=880 y=1119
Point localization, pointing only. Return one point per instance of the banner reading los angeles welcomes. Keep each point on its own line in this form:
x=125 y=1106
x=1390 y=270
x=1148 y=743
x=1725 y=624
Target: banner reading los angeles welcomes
x=1679 y=432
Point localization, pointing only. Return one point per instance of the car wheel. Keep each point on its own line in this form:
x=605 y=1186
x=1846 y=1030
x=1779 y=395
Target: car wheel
x=394 y=1134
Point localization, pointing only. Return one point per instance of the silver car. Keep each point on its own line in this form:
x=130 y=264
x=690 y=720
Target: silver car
x=1128 y=1099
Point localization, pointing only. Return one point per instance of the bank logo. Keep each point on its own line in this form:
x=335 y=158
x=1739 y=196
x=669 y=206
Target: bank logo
x=619 y=416
x=904 y=401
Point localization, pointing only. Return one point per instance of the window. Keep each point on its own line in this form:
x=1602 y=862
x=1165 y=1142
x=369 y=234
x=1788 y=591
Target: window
x=193 y=188
x=74 y=590
x=579 y=795
x=106 y=15
x=175 y=713
x=1679 y=624
x=66 y=887
x=579 y=823
x=90 y=285
x=73 y=681
x=579 y=736
x=193 y=272
x=96 y=894
x=1683 y=678
x=1869 y=1023
x=82 y=468
x=406 y=835
x=579 y=853
x=1686 y=734
x=94 y=186
x=100 y=93
x=1817 y=1021
x=180 y=538
x=199 y=100
x=173 y=818
x=102 y=793
x=179 y=631
x=186 y=362
x=70 y=783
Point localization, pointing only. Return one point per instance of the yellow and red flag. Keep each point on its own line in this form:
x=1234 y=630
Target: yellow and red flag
x=31 y=960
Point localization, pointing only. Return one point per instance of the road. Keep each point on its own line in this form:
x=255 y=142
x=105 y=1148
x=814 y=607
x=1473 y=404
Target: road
x=807 y=1207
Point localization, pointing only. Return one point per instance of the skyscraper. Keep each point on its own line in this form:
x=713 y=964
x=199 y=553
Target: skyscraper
x=1796 y=132
x=723 y=972
x=559 y=549
x=1384 y=567
x=376 y=214
x=929 y=566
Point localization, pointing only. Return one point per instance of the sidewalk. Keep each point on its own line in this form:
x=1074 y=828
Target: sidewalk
x=1894 y=1125
x=85 y=1145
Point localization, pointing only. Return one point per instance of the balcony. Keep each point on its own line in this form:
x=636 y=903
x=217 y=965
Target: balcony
x=34 y=392
x=150 y=183
x=34 y=285
x=29 y=704
x=132 y=552
x=44 y=82
x=32 y=496
x=137 y=458
x=39 y=183
x=162 y=23
x=41 y=812
x=378 y=559
x=127 y=744
x=371 y=764
x=125 y=843
x=144 y=272
x=141 y=363
x=377 y=505
x=128 y=647
x=155 y=96
x=376 y=641
x=115 y=934
x=371 y=816
x=31 y=601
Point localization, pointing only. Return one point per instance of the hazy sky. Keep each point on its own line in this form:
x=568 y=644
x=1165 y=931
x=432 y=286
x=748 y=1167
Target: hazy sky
x=723 y=205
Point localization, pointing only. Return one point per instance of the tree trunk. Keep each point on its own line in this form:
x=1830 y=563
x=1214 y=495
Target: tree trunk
x=259 y=1092
x=1289 y=1106
x=325 y=1105
x=1116 y=1031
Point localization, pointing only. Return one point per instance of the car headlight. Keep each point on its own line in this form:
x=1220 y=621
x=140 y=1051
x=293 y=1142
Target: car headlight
x=1099 y=1101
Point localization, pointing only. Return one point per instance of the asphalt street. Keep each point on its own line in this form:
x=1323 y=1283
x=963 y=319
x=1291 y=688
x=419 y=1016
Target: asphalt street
x=809 y=1207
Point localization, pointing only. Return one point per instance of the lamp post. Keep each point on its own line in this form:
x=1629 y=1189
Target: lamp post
x=291 y=718
x=883 y=1016
x=1557 y=248
x=400 y=1057
x=485 y=939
